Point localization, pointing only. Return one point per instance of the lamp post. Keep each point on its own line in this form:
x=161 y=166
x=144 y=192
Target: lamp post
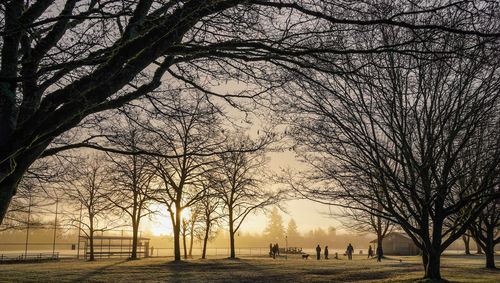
x=27 y=227
x=55 y=229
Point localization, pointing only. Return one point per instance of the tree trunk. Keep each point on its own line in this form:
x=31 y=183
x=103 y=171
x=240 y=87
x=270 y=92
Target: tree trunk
x=191 y=238
x=466 y=240
x=231 y=234
x=12 y=171
x=379 y=240
x=6 y=193
x=91 y=244
x=135 y=231
x=205 y=240
x=177 y=232
x=490 y=248
x=184 y=244
x=479 y=251
x=432 y=264
x=490 y=259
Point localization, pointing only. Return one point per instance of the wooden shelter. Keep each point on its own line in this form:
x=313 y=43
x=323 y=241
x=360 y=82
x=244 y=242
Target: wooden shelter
x=396 y=243
x=115 y=246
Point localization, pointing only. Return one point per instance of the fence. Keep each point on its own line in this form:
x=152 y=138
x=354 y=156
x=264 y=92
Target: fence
x=35 y=257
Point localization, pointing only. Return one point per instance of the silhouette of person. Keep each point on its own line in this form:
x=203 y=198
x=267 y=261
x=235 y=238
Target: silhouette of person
x=326 y=252
x=350 y=250
x=380 y=253
x=152 y=250
x=370 y=252
x=277 y=249
x=318 y=252
x=271 y=250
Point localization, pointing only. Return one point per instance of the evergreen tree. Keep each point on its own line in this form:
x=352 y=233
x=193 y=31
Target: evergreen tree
x=275 y=231
x=292 y=232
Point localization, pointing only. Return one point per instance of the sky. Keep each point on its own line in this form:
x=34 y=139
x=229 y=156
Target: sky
x=307 y=214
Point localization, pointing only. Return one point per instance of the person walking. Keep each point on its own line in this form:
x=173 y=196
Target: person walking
x=350 y=250
x=380 y=253
x=326 y=252
x=271 y=250
x=370 y=252
x=318 y=252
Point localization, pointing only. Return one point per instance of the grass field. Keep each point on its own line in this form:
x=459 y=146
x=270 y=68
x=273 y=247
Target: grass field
x=248 y=269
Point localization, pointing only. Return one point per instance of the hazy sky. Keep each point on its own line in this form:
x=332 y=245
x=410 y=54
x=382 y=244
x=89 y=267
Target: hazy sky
x=307 y=214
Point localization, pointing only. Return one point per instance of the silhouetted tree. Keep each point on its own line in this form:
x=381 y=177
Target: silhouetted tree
x=239 y=183
x=131 y=175
x=486 y=230
x=89 y=187
x=62 y=62
x=394 y=131
x=187 y=128
x=209 y=208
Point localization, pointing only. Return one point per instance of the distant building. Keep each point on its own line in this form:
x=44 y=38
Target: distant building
x=398 y=244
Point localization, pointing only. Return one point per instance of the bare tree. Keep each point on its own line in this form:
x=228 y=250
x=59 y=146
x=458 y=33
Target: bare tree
x=240 y=184
x=394 y=131
x=466 y=238
x=209 y=209
x=487 y=231
x=188 y=127
x=132 y=191
x=89 y=187
x=365 y=221
x=62 y=62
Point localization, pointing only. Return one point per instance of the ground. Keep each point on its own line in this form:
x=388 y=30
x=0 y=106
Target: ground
x=248 y=269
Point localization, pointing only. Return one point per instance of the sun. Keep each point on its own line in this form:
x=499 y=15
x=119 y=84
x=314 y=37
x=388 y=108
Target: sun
x=160 y=223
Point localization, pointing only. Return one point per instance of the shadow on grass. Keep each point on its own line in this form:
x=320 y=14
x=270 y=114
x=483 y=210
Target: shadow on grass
x=99 y=270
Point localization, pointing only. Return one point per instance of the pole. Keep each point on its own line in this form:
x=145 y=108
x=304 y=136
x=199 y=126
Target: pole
x=121 y=245
x=286 y=247
x=27 y=228
x=79 y=232
x=55 y=229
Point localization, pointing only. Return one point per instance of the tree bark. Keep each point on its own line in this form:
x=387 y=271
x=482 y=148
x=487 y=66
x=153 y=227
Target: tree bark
x=135 y=231
x=466 y=240
x=231 y=234
x=432 y=263
x=490 y=248
x=379 y=237
x=205 y=240
x=7 y=191
x=191 y=238
x=177 y=231
x=184 y=245
x=479 y=251
x=91 y=238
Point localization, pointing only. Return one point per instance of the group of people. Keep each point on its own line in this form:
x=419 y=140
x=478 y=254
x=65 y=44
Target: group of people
x=318 y=252
x=349 y=252
x=379 y=252
x=274 y=250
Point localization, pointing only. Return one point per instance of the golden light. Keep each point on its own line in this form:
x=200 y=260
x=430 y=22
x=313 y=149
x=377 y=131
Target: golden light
x=160 y=222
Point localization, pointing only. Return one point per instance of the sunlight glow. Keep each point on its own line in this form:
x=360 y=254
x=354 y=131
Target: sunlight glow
x=160 y=223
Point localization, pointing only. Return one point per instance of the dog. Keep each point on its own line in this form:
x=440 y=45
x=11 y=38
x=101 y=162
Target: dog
x=305 y=256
